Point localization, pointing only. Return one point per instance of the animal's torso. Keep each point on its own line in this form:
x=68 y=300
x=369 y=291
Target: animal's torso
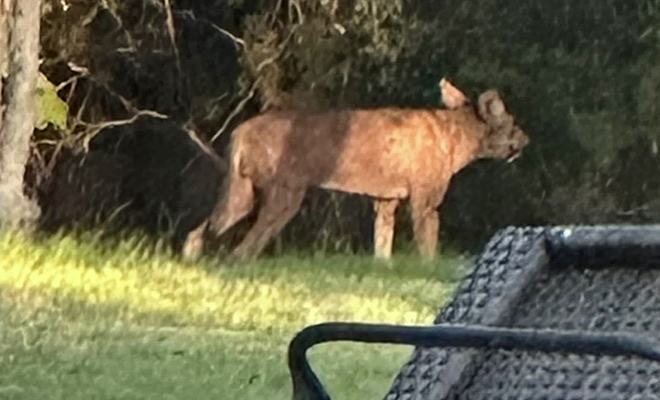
x=380 y=152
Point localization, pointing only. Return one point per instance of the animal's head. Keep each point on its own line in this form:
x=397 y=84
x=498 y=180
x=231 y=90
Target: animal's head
x=504 y=139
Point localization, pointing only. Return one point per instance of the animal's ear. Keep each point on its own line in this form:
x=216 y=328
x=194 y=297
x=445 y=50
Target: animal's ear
x=490 y=104
x=451 y=96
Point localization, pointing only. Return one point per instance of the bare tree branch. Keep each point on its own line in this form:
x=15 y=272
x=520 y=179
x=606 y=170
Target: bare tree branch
x=295 y=4
x=73 y=80
x=53 y=158
x=279 y=54
x=46 y=168
x=91 y=130
x=276 y=10
x=127 y=35
x=170 y=22
x=96 y=128
x=77 y=120
x=241 y=105
x=172 y=33
x=84 y=73
x=240 y=43
x=236 y=110
x=192 y=134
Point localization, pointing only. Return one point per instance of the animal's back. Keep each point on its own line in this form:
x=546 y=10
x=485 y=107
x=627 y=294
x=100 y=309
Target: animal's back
x=376 y=152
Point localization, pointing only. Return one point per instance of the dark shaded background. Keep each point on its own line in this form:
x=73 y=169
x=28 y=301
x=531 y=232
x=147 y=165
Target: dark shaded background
x=582 y=78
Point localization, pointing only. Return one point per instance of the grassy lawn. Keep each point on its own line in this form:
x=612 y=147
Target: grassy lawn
x=85 y=319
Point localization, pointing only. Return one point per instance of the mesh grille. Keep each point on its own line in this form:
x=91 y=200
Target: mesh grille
x=610 y=299
x=512 y=284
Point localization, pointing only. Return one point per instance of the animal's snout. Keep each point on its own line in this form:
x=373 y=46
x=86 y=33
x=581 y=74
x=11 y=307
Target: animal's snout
x=525 y=139
x=520 y=140
x=516 y=146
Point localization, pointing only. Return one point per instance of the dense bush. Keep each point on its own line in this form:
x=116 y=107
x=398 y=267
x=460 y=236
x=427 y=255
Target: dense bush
x=583 y=79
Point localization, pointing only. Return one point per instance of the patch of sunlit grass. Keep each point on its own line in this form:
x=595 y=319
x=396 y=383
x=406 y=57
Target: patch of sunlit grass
x=146 y=284
x=133 y=320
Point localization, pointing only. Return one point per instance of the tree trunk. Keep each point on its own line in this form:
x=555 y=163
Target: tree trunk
x=4 y=46
x=19 y=47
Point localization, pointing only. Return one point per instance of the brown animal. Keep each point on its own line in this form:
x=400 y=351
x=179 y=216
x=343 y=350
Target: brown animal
x=389 y=154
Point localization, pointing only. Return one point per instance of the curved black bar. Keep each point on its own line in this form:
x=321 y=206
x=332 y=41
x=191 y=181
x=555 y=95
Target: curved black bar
x=306 y=385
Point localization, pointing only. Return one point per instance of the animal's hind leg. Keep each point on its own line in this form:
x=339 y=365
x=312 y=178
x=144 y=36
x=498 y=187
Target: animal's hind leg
x=236 y=203
x=384 y=226
x=192 y=247
x=279 y=205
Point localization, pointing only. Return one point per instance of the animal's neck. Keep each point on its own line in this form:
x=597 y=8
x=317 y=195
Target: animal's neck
x=469 y=134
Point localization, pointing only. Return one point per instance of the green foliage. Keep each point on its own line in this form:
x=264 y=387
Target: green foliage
x=50 y=108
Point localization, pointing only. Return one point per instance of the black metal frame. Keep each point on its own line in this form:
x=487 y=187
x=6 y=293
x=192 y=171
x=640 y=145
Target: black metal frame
x=540 y=247
x=307 y=386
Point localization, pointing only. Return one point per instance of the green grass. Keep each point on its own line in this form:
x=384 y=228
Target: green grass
x=81 y=318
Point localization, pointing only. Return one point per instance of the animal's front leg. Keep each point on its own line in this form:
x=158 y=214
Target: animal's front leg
x=426 y=224
x=384 y=226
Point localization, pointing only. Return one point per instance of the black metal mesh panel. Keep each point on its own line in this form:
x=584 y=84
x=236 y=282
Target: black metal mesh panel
x=613 y=298
x=598 y=280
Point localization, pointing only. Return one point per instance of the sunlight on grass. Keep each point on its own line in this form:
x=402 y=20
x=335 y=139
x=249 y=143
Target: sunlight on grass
x=86 y=318
x=140 y=283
